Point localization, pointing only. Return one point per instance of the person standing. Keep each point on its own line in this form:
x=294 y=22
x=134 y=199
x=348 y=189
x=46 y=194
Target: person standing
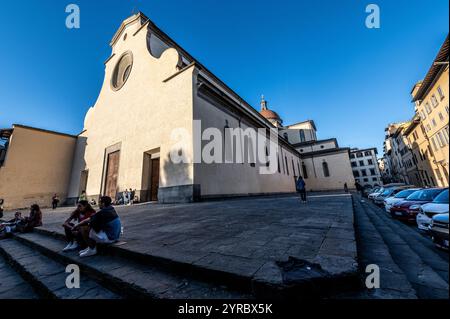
x=55 y=201
x=1 y=208
x=346 y=187
x=359 y=188
x=132 y=196
x=126 y=197
x=301 y=189
x=83 y=197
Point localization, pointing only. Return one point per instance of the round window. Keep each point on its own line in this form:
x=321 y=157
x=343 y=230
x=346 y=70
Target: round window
x=122 y=71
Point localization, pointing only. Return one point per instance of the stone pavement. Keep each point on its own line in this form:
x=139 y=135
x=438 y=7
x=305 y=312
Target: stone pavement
x=264 y=239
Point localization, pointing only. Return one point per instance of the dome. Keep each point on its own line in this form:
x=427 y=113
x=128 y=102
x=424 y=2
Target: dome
x=270 y=115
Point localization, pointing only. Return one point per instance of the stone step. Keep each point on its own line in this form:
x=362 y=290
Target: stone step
x=47 y=276
x=373 y=250
x=425 y=248
x=127 y=277
x=270 y=281
x=423 y=278
x=12 y=285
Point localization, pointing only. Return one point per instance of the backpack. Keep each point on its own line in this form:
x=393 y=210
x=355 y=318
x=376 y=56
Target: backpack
x=300 y=185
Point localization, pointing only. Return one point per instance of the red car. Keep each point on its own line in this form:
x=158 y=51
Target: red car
x=409 y=208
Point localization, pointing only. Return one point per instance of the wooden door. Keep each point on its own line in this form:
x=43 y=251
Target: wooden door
x=112 y=174
x=154 y=179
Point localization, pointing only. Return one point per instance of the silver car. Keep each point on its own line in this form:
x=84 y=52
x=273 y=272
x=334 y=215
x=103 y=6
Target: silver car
x=388 y=192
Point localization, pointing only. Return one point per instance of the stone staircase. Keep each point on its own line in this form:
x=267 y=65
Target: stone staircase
x=122 y=273
x=410 y=265
x=38 y=258
x=12 y=285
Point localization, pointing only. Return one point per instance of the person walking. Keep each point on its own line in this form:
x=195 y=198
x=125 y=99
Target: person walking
x=301 y=189
x=346 y=187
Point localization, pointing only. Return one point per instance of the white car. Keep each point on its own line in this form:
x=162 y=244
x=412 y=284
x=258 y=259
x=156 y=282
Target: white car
x=376 y=193
x=428 y=211
x=391 y=201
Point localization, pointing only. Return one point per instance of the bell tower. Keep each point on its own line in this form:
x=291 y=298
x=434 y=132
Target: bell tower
x=263 y=103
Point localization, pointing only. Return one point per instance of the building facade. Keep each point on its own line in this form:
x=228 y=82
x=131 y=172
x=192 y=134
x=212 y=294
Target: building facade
x=432 y=104
x=365 y=167
x=155 y=120
x=36 y=165
x=416 y=152
x=324 y=165
x=421 y=172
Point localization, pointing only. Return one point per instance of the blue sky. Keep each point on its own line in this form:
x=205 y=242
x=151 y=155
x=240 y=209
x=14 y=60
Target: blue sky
x=311 y=59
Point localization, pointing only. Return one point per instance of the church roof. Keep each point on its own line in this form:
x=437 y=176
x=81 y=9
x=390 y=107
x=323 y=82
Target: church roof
x=270 y=115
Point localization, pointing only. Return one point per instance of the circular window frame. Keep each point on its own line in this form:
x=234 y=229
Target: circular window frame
x=115 y=76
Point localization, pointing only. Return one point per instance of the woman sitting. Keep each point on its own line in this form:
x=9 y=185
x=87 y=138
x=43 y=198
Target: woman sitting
x=32 y=221
x=74 y=224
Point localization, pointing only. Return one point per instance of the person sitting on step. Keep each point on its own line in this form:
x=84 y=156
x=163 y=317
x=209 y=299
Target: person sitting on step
x=105 y=228
x=32 y=221
x=6 y=229
x=79 y=219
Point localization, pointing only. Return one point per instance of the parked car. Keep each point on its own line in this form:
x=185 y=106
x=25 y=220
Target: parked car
x=397 y=198
x=382 y=189
x=368 y=190
x=376 y=192
x=388 y=192
x=409 y=208
x=439 y=230
x=428 y=211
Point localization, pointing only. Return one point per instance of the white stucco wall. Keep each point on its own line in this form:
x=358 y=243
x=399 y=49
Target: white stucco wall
x=339 y=168
x=237 y=179
x=140 y=116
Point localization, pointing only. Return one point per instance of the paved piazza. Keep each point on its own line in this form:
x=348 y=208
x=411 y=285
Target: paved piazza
x=247 y=237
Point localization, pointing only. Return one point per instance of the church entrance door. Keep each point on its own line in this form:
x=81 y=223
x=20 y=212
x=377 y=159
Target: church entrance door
x=154 y=179
x=112 y=174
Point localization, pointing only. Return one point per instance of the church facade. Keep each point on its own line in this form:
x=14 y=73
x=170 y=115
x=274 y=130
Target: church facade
x=152 y=101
